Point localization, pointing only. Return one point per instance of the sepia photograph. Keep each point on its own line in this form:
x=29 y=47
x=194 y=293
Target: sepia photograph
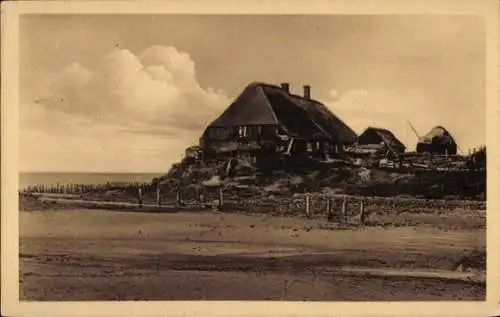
x=252 y=157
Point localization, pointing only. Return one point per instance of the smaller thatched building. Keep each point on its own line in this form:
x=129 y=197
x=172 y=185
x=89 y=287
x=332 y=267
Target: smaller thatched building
x=437 y=141
x=380 y=141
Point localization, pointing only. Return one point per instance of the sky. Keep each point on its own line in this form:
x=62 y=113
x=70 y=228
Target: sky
x=128 y=93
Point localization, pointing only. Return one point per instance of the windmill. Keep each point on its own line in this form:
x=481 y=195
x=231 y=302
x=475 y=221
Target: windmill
x=419 y=138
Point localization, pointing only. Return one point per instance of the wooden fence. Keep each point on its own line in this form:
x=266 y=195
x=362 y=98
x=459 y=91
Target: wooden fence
x=83 y=188
x=335 y=208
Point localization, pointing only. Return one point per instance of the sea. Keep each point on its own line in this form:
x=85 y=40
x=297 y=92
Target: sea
x=52 y=178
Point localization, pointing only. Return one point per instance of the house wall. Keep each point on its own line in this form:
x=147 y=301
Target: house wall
x=436 y=148
x=256 y=133
x=369 y=137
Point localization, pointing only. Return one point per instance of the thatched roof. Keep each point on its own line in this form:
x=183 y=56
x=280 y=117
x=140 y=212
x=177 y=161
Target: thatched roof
x=438 y=135
x=264 y=104
x=251 y=107
x=385 y=135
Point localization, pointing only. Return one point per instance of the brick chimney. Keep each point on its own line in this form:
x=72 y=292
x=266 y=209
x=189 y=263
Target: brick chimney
x=285 y=87
x=307 y=92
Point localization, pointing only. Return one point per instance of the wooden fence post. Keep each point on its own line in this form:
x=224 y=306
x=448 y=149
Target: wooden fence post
x=158 y=196
x=328 y=205
x=362 y=215
x=178 y=196
x=331 y=209
x=308 y=211
x=221 y=198
x=343 y=211
x=201 y=195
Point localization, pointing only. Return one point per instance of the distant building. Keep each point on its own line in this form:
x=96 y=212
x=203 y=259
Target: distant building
x=378 y=140
x=437 y=141
x=270 y=116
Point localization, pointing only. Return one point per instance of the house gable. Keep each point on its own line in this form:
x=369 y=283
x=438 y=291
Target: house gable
x=250 y=108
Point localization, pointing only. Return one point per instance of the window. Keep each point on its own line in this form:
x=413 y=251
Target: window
x=242 y=131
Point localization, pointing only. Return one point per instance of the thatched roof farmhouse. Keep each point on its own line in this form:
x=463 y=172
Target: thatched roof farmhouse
x=270 y=114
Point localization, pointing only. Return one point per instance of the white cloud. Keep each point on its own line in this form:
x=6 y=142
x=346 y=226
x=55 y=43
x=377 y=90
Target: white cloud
x=157 y=89
x=126 y=104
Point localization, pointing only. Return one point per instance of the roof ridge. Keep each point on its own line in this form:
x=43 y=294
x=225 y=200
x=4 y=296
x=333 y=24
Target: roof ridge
x=268 y=102
x=273 y=86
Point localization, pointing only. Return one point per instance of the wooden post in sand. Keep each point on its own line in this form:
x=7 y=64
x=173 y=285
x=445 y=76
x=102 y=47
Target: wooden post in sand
x=308 y=202
x=329 y=207
x=343 y=211
x=221 y=198
x=362 y=215
x=201 y=197
x=158 y=196
x=178 y=196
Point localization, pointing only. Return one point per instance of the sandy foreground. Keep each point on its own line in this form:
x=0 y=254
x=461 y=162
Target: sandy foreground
x=110 y=255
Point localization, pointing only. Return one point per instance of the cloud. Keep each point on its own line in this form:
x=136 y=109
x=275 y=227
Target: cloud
x=120 y=114
x=157 y=89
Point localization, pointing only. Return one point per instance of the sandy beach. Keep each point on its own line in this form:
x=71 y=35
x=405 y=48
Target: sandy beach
x=109 y=255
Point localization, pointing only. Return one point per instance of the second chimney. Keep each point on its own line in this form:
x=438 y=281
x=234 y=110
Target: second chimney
x=285 y=87
x=307 y=92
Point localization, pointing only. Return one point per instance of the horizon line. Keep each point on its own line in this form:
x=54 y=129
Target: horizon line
x=87 y=172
